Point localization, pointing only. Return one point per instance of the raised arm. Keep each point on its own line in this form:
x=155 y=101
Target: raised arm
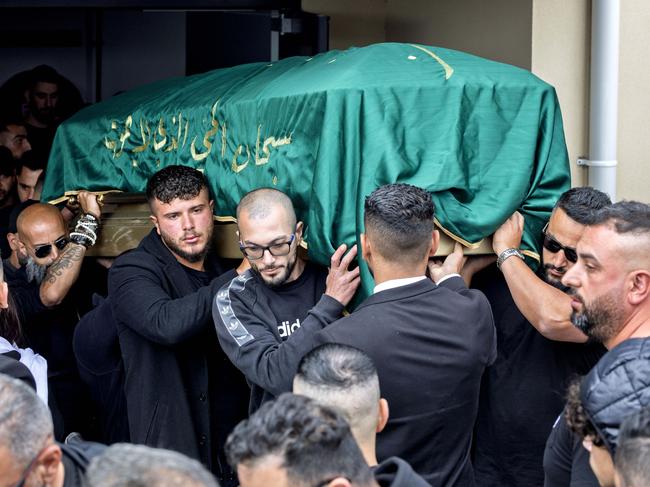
x=64 y=271
x=548 y=309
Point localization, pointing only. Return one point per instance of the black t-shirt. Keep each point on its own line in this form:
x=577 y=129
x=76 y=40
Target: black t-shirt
x=566 y=461
x=227 y=408
x=522 y=393
x=292 y=301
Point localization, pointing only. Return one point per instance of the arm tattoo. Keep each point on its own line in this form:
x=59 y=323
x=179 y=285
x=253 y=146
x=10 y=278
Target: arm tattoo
x=72 y=253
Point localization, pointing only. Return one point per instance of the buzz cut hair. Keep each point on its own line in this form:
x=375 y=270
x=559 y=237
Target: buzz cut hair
x=176 y=182
x=399 y=221
x=25 y=421
x=259 y=202
x=345 y=378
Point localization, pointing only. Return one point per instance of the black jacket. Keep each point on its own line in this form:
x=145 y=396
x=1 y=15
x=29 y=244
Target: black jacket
x=166 y=337
x=247 y=329
x=431 y=345
x=395 y=472
x=616 y=387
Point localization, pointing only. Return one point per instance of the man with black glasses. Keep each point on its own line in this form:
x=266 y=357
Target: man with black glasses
x=522 y=393
x=266 y=318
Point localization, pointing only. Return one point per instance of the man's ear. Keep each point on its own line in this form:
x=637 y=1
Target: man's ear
x=49 y=462
x=384 y=413
x=435 y=242
x=639 y=287
x=154 y=220
x=212 y=206
x=299 y=228
x=366 y=252
x=4 y=295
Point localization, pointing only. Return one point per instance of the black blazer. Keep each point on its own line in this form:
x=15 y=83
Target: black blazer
x=430 y=345
x=166 y=335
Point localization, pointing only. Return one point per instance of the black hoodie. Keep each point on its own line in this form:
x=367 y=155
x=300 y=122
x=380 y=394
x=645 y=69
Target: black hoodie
x=395 y=472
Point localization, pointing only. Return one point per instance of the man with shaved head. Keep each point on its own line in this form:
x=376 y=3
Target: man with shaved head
x=266 y=317
x=47 y=263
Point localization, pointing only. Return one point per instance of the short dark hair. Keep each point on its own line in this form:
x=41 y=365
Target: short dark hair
x=171 y=182
x=633 y=453
x=6 y=120
x=337 y=366
x=400 y=217
x=32 y=159
x=42 y=74
x=313 y=442
x=580 y=203
x=576 y=416
x=626 y=217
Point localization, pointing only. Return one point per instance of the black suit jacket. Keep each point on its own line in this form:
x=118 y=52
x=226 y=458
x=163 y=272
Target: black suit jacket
x=430 y=345
x=166 y=335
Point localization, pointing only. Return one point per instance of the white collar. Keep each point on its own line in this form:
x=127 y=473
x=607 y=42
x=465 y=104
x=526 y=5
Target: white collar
x=393 y=283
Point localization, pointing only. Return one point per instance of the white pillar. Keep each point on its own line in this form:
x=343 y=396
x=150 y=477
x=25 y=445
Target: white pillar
x=603 y=116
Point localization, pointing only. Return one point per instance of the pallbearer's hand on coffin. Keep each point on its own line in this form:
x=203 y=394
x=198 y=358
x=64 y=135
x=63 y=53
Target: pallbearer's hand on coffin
x=508 y=235
x=452 y=264
x=341 y=282
x=89 y=204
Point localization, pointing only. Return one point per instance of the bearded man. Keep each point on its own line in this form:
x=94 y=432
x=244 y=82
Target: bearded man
x=266 y=318
x=42 y=271
x=181 y=391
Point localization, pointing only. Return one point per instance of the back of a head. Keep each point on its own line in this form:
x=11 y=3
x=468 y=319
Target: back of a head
x=580 y=203
x=633 y=452
x=618 y=385
x=175 y=182
x=345 y=378
x=123 y=464
x=312 y=442
x=259 y=202
x=399 y=222
x=25 y=421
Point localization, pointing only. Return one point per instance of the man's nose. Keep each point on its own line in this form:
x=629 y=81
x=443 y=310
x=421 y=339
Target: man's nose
x=267 y=257
x=187 y=222
x=559 y=260
x=570 y=277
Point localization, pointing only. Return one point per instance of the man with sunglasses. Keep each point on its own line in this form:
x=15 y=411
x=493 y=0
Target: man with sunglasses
x=267 y=317
x=522 y=393
x=181 y=391
x=29 y=455
x=42 y=274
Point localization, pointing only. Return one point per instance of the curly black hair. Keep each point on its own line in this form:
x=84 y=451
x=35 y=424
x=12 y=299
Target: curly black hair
x=312 y=441
x=576 y=416
x=176 y=181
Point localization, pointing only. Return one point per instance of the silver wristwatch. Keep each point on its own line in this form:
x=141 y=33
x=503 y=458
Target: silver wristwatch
x=506 y=254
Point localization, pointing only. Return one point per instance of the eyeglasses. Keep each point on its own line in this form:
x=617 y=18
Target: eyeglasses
x=254 y=252
x=42 y=251
x=554 y=246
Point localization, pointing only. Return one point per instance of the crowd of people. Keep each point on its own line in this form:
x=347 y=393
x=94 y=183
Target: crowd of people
x=174 y=366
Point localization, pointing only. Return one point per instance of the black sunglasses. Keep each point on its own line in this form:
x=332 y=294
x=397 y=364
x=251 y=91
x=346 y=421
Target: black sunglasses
x=42 y=251
x=554 y=246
